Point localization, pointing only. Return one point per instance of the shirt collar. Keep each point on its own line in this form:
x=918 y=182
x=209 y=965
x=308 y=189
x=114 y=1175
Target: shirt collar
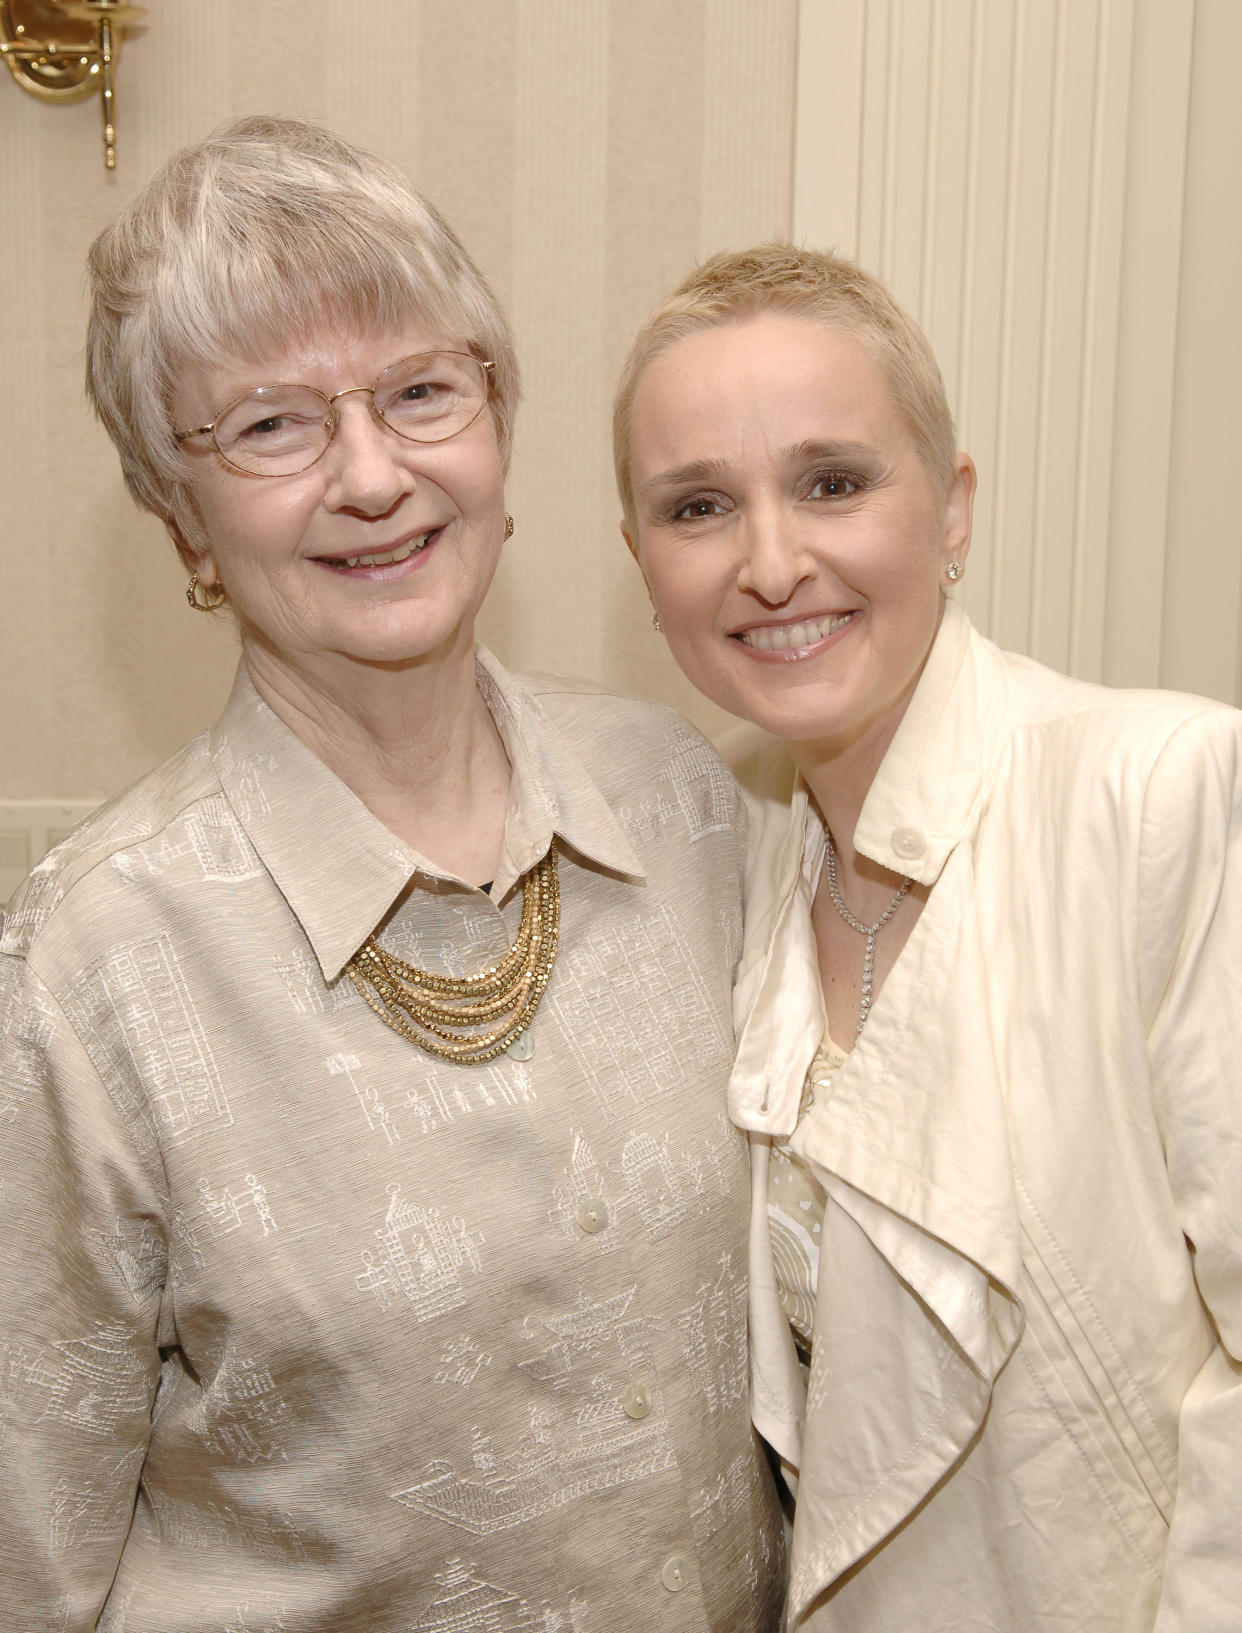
x=922 y=803
x=925 y=794
x=340 y=869
x=551 y=789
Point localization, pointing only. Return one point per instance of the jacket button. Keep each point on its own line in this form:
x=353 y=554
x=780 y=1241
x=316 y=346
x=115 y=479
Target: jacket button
x=593 y=1214
x=676 y=1573
x=908 y=843
x=636 y=1401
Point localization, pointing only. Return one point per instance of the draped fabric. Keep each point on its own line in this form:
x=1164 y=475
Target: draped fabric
x=1024 y=1409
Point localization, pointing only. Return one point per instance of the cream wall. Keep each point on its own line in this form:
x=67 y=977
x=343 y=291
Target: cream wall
x=588 y=151
x=1051 y=186
x=1048 y=182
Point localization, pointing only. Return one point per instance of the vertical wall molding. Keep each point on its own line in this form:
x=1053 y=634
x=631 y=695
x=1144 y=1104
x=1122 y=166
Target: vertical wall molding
x=1018 y=172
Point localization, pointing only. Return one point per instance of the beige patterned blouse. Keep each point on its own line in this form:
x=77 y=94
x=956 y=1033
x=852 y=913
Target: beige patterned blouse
x=303 y=1330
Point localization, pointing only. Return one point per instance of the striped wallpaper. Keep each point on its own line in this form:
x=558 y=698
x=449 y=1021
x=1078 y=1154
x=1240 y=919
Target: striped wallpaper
x=1048 y=183
x=588 y=151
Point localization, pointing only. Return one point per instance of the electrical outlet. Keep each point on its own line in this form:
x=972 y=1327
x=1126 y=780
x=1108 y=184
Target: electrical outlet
x=28 y=830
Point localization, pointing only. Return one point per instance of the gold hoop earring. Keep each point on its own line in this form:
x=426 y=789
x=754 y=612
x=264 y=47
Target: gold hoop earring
x=215 y=595
x=954 y=571
x=508 y=525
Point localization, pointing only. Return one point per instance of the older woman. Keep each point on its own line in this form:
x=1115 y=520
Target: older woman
x=989 y=1005
x=373 y=1244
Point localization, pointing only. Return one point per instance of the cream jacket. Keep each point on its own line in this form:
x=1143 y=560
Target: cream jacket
x=1025 y=1403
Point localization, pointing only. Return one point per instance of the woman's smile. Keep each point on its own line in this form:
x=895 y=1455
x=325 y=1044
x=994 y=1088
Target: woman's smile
x=793 y=641
x=791 y=535
x=411 y=549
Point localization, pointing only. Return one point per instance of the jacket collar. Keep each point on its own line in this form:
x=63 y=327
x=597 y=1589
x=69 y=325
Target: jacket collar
x=341 y=870
x=927 y=790
x=923 y=802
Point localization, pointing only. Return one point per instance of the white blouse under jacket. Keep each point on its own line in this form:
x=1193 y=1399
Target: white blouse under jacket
x=1025 y=1403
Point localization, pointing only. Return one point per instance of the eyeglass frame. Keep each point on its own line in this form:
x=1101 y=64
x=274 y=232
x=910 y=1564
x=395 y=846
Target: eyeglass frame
x=489 y=372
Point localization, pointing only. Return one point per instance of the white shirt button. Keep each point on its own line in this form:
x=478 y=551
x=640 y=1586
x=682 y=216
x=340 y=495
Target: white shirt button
x=636 y=1401
x=593 y=1214
x=676 y=1573
x=908 y=843
x=521 y=1048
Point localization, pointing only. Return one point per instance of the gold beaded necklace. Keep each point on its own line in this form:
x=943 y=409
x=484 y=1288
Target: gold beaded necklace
x=440 y=1013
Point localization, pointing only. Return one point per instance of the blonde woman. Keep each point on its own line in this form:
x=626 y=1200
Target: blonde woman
x=989 y=1010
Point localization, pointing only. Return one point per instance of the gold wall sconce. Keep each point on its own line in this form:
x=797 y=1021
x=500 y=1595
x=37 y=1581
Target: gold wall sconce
x=66 y=50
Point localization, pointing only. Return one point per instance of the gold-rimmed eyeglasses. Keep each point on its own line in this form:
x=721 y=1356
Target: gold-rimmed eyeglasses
x=283 y=429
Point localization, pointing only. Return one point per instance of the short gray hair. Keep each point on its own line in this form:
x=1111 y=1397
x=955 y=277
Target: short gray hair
x=268 y=228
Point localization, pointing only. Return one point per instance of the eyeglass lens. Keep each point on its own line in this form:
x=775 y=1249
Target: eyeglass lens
x=279 y=430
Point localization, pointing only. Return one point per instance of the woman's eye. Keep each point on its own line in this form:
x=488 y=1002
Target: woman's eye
x=273 y=425
x=695 y=510
x=419 y=402
x=833 y=485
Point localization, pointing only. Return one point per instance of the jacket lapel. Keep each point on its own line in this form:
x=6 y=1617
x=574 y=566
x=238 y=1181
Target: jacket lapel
x=920 y=1255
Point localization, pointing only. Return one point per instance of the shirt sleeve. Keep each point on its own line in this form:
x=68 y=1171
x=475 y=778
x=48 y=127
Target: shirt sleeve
x=1190 y=907
x=83 y=1264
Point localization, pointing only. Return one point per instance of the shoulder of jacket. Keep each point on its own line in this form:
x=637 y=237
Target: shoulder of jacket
x=574 y=692
x=139 y=814
x=1131 y=723
x=764 y=769
x=1049 y=695
x=574 y=704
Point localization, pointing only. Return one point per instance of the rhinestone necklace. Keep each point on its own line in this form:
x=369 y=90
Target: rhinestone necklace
x=441 y=1013
x=871 y=931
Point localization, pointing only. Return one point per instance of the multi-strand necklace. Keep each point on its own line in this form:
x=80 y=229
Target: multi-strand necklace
x=871 y=931
x=443 y=1013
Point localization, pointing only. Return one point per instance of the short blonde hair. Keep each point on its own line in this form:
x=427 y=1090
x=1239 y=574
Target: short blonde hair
x=739 y=285
x=267 y=229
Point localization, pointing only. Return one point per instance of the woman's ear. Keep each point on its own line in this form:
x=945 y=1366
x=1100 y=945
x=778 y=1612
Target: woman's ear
x=194 y=560
x=958 y=510
x=633 y=550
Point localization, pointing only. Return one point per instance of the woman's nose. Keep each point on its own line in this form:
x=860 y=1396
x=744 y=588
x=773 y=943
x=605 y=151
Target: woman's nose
x=775 y=558
x=367 y=466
